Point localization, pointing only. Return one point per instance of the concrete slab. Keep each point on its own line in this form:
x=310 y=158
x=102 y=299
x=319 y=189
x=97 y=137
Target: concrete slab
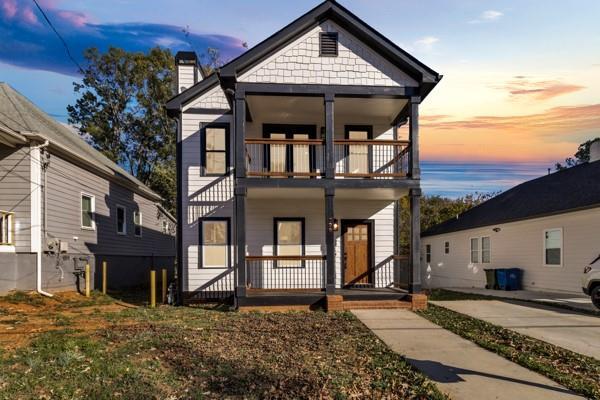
x=458 y=366
x=579 y=300
x=570 y=330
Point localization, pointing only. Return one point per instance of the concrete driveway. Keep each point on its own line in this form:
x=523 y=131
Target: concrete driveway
x=576 y=332
x=457 y=366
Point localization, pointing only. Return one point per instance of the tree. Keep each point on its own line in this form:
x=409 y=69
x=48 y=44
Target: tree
x=435 y=210
x=582 y=155
x=120 y=112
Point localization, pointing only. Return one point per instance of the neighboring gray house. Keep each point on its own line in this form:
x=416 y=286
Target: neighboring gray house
x=63 y=204
x=549 y=227
x=292 y=160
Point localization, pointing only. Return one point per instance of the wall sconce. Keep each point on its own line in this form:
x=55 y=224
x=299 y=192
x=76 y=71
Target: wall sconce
x=497 y=229
x=333 y=225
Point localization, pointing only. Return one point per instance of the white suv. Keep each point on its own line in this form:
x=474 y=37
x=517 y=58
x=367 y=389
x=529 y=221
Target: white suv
x=590 y=282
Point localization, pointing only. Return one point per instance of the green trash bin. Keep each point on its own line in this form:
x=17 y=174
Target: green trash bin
x=490 y=277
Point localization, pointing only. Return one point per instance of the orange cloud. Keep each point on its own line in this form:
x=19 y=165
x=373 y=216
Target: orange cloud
x=540 y=90
x=550 y=135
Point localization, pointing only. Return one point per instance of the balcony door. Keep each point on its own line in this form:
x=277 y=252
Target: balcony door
x=359 y=154
x=284 y=156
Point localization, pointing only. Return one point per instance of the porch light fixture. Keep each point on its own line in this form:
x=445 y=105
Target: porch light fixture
x=333 y=225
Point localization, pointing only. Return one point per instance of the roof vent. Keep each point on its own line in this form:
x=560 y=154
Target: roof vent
x=328 y=44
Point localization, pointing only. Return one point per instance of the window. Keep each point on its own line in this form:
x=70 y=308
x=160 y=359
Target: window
x=121 y=222
x=87 y=211
x=428 y=253
x=474 y=250
x=216 y=156
x=6 y=228
x=486 y=250
x=447 y=248
x=137 y=223
x=553 y=247
x=284 y=155
x=215 y=243
x=328 y=44
x=289 y=240
x=165 y=227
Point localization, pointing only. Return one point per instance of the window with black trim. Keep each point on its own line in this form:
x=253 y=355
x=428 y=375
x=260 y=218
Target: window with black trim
x=215 y=240
x=121 y=220
x=428 y=253
x=328 y=44
x=215 y=149
x=289 y=241
x=298 y=158
x=447 y=247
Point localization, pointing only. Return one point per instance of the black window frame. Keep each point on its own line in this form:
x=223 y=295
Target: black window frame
x=203 y=151
x=428 y=253
x=369 y=130
x=228 y=264
x=335 y=36
x=124 y=208
x=302 y=221
x=447 y=248
x=290 y=130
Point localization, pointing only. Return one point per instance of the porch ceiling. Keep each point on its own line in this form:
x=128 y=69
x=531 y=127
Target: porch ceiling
x=317 y=193
x=291 y=109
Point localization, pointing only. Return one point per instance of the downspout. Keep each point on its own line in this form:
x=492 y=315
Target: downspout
x=39 y=249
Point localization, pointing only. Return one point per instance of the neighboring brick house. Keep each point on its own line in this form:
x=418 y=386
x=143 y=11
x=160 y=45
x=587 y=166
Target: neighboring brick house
x=292 y=159
x=63 y=204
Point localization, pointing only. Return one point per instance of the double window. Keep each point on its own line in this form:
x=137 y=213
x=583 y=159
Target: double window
x=289 y=241
x=285 y=157
x=485 y=250
x=215 y=149
x=88 y=204
x=553 y=242
x=214 y=236
x=6 y=228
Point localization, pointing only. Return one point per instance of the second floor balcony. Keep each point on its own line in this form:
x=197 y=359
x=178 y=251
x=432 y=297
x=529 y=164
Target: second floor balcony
x=302 y=157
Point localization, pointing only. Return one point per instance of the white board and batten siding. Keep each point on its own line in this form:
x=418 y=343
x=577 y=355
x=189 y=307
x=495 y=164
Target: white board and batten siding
x=519 y=245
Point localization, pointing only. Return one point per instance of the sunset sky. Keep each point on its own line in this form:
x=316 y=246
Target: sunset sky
x=521 y=78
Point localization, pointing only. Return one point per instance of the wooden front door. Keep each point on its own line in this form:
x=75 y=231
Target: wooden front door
x=357 y=239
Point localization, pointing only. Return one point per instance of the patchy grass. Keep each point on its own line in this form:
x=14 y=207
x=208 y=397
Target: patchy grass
x=20 y=297
x=102 y=352
x=450 y=295
x=574 y=371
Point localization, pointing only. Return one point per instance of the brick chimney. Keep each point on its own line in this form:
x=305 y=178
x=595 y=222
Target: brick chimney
x=188 y=72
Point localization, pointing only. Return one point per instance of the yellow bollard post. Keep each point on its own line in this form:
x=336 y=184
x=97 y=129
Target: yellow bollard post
x=152 y=288
x=87 y=280
x=164 y=286
x=103 y=277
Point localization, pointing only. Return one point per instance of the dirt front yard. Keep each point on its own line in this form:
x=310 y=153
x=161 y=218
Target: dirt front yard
x=73 y=347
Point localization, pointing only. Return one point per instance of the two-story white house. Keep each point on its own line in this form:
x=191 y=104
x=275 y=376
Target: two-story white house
x=292 y=159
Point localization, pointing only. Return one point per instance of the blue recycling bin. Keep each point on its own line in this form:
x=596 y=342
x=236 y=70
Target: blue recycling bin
x=513 y=279
x=502 y=278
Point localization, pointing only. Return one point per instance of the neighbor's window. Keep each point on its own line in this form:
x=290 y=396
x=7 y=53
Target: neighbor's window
x=215 y=243
x=475 y=250
x=137 y=223
x=165 y=226
x=486 y=250
x=428 y=253
x=215 y=150
x=447 y=247
x=6 y=228
x=121 y=222
x=553 y=247
x=87 y=211
x=289 y=241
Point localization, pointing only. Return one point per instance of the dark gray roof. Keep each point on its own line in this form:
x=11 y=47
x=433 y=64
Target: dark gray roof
x=21 y=116
x=568 y=190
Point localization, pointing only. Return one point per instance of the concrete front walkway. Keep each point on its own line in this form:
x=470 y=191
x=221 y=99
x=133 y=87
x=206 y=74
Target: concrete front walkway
x=570 y=330
x=579 y=301
x=458 y=366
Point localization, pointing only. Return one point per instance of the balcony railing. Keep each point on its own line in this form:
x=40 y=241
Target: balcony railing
x=287 y=158
x=285 y=272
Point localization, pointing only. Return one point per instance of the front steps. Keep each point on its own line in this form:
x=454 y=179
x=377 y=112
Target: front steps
x=409 y=302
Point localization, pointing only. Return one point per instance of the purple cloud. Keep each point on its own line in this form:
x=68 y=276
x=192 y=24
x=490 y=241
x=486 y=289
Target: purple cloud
x=27 y=40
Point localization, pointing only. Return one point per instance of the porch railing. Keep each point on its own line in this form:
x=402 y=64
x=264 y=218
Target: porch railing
x=285 y=272
x=305 y=158
x=391 y=272
x=283 y=158
x=371 y=158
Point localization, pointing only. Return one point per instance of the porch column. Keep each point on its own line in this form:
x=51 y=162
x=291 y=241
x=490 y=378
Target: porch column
x=239 y=112
x=329 y=241
x=329 y=136
x=415 y=169
x=397 y=227
x=414 y=273
x=240 y=241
